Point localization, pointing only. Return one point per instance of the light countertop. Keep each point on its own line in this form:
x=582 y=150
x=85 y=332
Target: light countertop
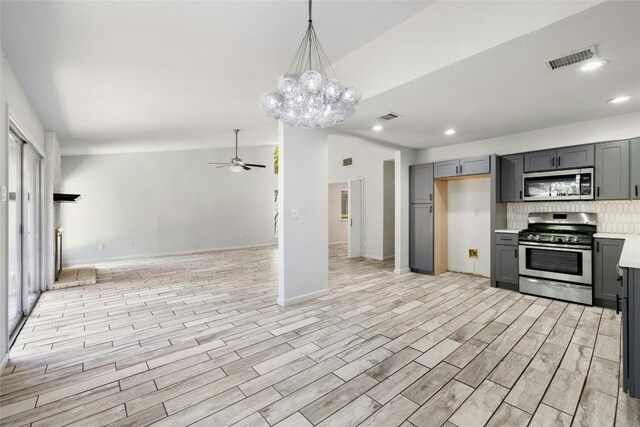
x=630 y=257
x=508 y=231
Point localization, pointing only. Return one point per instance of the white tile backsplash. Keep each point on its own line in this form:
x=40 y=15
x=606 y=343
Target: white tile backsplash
x=614 y=216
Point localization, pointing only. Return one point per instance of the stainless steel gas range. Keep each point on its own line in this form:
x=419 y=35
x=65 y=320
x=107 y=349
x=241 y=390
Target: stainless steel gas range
x=555 y=256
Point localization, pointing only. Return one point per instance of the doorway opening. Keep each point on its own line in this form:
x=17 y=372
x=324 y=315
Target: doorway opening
x=345 y=216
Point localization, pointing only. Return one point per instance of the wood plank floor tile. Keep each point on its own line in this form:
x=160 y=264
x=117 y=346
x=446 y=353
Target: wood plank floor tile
x=186 y=339
x=480 y=406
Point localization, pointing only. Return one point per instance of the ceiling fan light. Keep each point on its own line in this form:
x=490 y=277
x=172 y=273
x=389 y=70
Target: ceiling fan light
x=236 y=168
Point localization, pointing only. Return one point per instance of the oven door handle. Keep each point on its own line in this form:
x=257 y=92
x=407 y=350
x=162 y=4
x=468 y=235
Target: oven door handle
x=556 y=246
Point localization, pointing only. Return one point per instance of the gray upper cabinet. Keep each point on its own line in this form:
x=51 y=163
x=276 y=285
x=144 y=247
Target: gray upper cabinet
x=612 y=170
x=578 y=156
x=605 y=275
x=446 y=169
x=635 y=168
x=540 y=161
x=461 y=167
x=421 y=183
x=421 y=237
x=511 y=177
x=475 y=165
x=507 y=264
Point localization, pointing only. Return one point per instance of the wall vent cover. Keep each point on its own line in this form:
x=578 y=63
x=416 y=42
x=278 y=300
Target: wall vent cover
x=389 y=116
x=572 y=58
x=347 y=162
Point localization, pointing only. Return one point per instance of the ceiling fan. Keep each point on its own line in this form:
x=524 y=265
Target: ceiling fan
x=236 y=164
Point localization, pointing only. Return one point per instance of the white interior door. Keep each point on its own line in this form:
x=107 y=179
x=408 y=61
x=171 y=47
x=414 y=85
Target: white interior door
x=355 y=218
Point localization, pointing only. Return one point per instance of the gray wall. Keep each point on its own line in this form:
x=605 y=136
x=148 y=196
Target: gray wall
x=139 y=204
x=389 y=217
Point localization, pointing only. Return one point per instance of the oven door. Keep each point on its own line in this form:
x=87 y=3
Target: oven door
x=573 y=184
x=568 y=263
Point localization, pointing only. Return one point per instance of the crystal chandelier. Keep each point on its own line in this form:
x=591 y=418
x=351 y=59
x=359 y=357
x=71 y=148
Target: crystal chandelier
x=309 y=95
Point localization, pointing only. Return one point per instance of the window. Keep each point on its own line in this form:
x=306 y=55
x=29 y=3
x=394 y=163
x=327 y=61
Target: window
x=344 y=204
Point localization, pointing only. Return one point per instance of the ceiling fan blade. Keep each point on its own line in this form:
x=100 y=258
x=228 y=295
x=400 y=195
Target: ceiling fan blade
x=223 y=166
x=245 y=167
x=214 y=163
x=255 y=166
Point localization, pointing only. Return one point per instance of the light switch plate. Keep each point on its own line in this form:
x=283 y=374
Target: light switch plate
x=295 y=213
x=4 y=193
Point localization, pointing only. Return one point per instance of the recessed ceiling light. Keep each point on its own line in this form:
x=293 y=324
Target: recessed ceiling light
x=377 y=127
x=449 y=131
x=619 y=99
x=594 y=64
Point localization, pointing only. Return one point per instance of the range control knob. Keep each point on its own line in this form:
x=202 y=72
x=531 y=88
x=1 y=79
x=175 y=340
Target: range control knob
x=573 y=239
x=530 y=237
x=536 y=237
x=559 y=239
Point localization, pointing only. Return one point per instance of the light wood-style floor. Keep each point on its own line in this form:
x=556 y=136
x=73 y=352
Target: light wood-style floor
x=199 y=340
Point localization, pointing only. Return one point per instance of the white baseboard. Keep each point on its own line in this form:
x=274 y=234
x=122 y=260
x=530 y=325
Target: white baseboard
x=81 y=262
x=338 y=243
x=402 y=271
x=302 y=298
x=3 y=363
x=389 y=257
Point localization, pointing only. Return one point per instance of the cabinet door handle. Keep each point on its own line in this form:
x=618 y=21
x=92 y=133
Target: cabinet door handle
x=598 y=191
x=431 y=197
x=559 y=160
x=460 y=169
x=456 y=170
x=520 y=194
x=617 y=304
x=597 y=246
x=516 y=252
x=430 y=209
x=553 y=162
x=636 y=190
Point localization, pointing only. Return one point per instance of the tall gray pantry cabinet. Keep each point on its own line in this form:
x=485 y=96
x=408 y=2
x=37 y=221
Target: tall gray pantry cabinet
x=421 y=218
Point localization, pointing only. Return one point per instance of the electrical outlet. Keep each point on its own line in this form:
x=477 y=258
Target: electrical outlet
x=473 y=253
x=295 y=213
x=477 y=212
x=100 y=246
x=132 y=244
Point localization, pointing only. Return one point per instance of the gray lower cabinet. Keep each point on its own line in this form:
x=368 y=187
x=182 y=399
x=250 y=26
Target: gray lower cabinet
x=446 y=169
x=475 y=165
x=630 y=302
x=421 y=183
x=578 y=156
x=606 y=286
x=612 y=170
x=634 y=146
x=511 y=177
x=421 y=238
x=507 y=264
x=537 y=161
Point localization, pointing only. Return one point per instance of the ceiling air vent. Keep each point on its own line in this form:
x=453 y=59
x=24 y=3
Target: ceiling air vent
x=573 y=58
x=389 y=116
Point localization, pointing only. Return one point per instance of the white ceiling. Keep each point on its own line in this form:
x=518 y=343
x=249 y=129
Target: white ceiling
x=508 y=89
x=138 y=76
x=119 y=76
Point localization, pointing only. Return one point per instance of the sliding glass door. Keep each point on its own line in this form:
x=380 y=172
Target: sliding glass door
x=15 y=246
x=31 y=227
x=25 y=240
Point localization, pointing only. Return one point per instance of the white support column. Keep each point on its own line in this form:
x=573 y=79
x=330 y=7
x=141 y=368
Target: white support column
x=303 y=203
x=404 y=159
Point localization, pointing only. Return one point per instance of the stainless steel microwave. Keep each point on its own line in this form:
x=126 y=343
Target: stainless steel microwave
x=572 y=184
